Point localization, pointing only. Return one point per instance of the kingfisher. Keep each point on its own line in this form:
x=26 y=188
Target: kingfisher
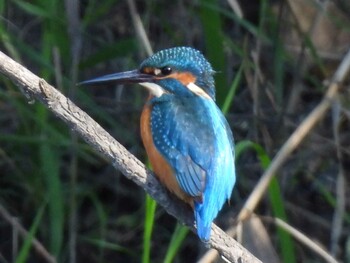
x=186 y=136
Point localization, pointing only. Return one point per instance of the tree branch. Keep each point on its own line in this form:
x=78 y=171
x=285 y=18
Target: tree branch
x=122 y=160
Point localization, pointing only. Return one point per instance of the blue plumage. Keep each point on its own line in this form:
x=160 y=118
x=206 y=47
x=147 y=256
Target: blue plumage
x=184 y=59
x=192 y=134
x=187 y=131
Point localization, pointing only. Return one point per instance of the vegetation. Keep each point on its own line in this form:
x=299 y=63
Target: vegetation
x=273 y=65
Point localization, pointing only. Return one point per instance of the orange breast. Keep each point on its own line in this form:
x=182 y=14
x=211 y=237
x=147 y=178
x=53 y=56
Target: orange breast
x=160 y=166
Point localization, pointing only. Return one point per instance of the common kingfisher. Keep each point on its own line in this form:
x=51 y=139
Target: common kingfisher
x=187 y=138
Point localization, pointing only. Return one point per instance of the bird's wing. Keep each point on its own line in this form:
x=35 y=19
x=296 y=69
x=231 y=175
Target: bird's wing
x=182 y=134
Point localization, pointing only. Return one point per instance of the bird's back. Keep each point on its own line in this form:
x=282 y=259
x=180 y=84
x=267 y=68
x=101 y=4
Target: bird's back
x=192 y=135
x=186 y=136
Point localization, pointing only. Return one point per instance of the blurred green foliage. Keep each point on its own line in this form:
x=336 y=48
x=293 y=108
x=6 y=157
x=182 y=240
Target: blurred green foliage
x=69 y=198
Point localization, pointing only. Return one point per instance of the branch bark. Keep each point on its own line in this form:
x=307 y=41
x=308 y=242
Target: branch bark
x=34 y=87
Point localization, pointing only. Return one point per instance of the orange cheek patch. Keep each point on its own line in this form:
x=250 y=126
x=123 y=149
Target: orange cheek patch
x=184 y=77
x=148 y=70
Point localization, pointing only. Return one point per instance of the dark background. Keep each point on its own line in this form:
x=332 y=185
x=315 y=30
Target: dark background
x=272 y=70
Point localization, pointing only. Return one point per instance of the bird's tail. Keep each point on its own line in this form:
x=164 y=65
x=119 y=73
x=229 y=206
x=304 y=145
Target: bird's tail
x=203 y=225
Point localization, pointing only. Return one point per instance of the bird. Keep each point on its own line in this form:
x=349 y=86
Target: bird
x=188 y=141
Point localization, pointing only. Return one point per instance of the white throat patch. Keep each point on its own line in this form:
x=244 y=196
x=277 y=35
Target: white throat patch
x=155 y=89
x=158 y=91
x=197 y=90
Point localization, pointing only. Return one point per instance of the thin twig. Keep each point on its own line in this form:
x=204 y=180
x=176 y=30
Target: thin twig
x=303 y=239
x=3 y=259
x=236 y=8
x=338 y=216
x=39 y=248
x=75 y=37
x=121 y=159
x=140 y=30
x=14 y=241
x=303 y=61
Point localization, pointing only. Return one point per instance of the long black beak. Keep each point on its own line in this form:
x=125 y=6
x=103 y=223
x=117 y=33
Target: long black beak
x=133 y=76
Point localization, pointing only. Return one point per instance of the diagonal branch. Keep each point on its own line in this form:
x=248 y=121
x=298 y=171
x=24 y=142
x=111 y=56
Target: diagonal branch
x=121 y=159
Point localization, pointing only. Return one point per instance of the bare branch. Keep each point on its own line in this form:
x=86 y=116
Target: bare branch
x=298 y=235
x=121 y=159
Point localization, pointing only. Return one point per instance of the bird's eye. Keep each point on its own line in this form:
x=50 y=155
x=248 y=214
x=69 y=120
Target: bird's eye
x=166 y=70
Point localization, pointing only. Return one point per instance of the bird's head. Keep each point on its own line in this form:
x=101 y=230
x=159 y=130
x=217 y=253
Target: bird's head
x=182 y=71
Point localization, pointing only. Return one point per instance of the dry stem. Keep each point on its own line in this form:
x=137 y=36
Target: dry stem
x=121 y=159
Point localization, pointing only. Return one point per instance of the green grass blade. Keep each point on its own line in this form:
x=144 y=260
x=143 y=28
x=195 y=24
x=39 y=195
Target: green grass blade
x=250 y=27
x=286 y=242
x=177 y=239
x=330 y=198
x=151 y=206
x=314 y=54
x=32 y=9
x=242 y=146
x=232 y=91
x=49 y=160
x=214 y=40
x=108 y=52
x=96 y=10
x=102 y=217
x=25 y=249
